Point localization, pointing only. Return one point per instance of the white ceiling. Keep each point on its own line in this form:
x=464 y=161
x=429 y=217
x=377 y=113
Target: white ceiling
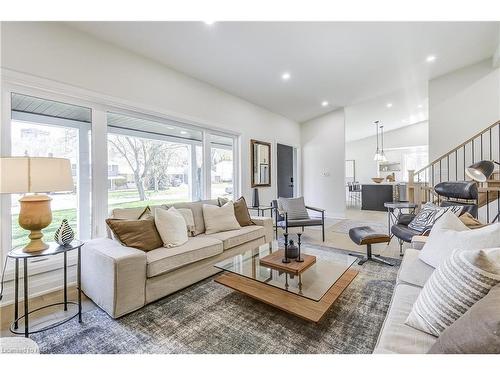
x=408 y=106
x=342 y=62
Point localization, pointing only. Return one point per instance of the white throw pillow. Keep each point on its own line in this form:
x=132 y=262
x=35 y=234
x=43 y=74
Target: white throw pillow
x=449 y=233
x=462 y=280
x=171 y=226
x=219 y=219
x=189 y=219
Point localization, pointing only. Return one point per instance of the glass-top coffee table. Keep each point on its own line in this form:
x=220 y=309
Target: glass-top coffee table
x=308 y=294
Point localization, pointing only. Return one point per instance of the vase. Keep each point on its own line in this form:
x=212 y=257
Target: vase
x=292 y=251
x=64 y=234
x=255 y=198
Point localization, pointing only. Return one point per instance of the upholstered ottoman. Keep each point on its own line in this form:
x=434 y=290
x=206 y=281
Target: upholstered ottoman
x=367 y=236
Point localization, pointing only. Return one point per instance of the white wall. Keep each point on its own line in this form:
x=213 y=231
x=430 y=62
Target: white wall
x=60 y=53
x=363 y=150
x=323 y=155
x=461 y=104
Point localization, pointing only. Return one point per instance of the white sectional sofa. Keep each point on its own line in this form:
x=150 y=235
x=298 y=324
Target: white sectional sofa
x=396 y=336
x=121 y=279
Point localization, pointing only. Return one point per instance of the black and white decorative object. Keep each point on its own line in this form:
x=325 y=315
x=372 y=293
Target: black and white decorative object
x=299 y=259
x=64 y=234
x=285 y=259
x=255 y=198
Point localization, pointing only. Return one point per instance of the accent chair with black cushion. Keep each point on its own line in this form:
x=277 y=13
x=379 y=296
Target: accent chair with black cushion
x=293 y=213
x=461 y=194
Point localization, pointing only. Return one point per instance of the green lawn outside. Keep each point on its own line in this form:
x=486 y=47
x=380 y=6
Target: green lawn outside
x=20 y=236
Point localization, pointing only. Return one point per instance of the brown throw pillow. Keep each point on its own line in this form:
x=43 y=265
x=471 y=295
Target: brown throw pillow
x=470 y=221
x=146 y=214
x=140 y=234
x=475 y=332
x=241 y=213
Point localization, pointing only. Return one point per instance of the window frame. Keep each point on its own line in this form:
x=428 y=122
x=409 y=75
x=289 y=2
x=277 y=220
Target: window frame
x=100 y=105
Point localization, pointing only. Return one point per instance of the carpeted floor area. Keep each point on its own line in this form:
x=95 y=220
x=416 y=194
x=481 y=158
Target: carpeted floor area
x=210 y=318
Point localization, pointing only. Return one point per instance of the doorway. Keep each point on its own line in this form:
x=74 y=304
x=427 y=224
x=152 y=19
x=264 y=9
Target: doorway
x=286 y=168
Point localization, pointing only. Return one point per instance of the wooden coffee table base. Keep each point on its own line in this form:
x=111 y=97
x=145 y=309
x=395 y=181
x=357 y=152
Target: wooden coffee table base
x=292 y=303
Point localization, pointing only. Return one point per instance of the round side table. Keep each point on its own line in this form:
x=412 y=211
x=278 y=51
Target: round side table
x=54 y=249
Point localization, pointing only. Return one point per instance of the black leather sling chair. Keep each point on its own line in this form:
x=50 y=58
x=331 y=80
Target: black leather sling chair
x=461 y=193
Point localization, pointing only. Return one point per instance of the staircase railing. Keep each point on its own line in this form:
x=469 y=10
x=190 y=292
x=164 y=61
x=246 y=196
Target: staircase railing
x=451 y=166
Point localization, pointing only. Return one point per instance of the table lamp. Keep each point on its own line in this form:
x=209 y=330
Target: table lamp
x=35 y=175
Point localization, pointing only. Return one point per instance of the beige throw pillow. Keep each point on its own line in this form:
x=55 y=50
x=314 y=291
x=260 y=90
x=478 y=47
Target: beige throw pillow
x=171 y=226
x=449 y=233
x=189 y=219
x=219 y=219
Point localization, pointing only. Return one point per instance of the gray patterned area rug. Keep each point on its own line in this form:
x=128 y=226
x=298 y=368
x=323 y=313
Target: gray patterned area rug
x=210 y=318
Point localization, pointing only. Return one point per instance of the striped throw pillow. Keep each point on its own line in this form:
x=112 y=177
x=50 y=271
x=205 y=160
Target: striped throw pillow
x=429 y=214
x=456 y=285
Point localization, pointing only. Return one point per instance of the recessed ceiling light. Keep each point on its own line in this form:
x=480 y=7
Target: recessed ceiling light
x=430 y=58
x=420 y=106
x=324 y=103
x=285 y=76
x=209 y=23
x=183 y=132
x=388 y=105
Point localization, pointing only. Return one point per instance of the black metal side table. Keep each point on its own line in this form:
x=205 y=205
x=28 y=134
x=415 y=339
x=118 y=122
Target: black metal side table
x=262 y=209
x=54 y=249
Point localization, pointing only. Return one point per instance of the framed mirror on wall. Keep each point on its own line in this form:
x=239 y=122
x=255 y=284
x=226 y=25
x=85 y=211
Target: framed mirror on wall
x=261 y=163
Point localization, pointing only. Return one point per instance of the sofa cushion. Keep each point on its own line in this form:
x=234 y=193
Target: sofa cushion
x=133 y=213
x=450 y=233
x=455 y=286
x=396 y=336
x=429 y=214
x=475 y=332
x=220 y=219
x=300 y=222
x=172 y=227
x=237 y=237
x=294 y=207
x=413 y=271
x=164 y=260
x=139 y=234
x=197 y=209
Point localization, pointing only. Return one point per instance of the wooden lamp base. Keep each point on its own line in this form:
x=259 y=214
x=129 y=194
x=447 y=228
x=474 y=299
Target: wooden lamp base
x=35 y=215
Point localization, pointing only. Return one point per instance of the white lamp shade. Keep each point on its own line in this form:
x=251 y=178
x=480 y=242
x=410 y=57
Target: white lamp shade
x=35 y=175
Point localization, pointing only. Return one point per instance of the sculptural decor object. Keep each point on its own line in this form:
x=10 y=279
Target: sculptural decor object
x=64 y=234
x=292 y=251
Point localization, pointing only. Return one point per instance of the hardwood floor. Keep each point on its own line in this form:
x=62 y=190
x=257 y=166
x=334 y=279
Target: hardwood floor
x=342 y=240
x=311 y=235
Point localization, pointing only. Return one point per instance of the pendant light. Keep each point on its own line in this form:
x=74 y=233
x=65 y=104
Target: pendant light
x=383 y=158
x=377 y=153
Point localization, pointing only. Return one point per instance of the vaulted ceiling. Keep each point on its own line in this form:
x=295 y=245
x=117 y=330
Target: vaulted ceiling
x=343 y=63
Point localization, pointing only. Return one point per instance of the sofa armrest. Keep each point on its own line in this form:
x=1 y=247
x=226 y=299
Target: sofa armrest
x=405 y=219
x=267 y=223
x=418 y=242
x=114 y=276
